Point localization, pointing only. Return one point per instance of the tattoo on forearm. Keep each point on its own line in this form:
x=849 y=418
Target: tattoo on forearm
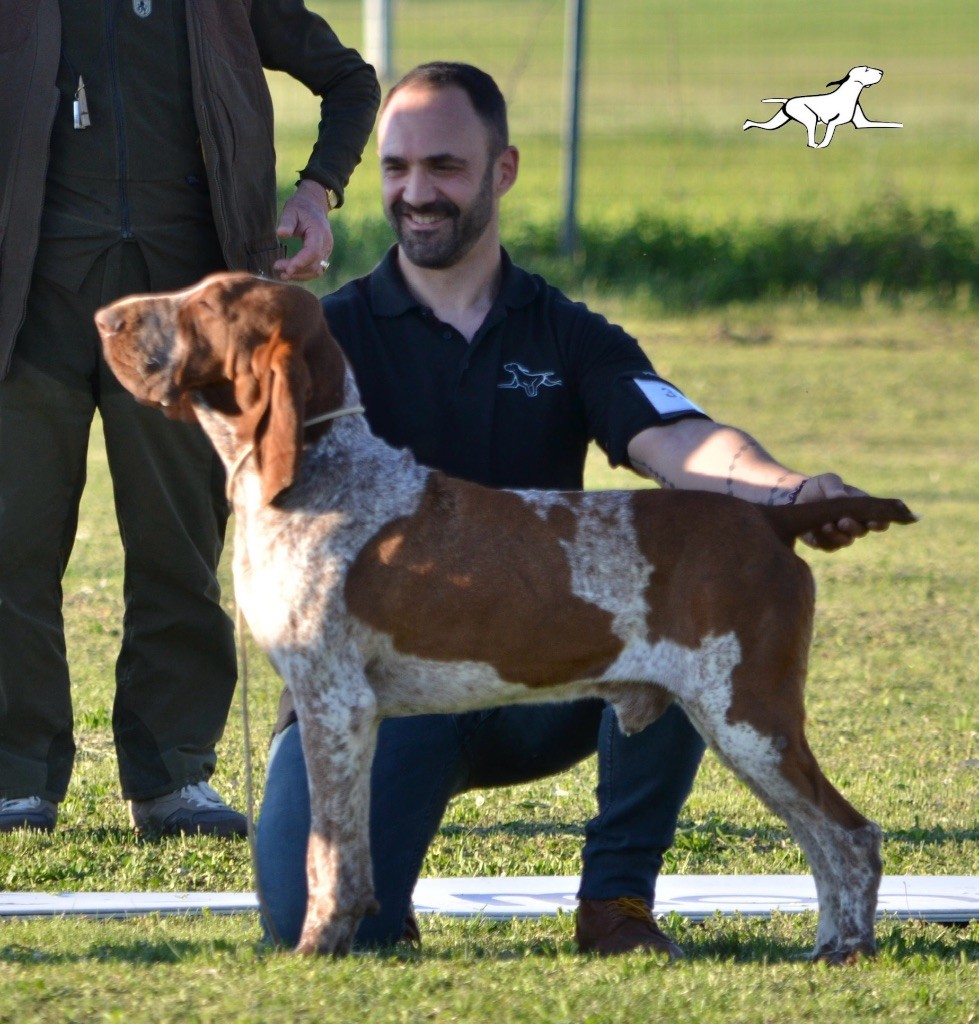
x=790 y=497
x=746 y=447
x=648 y=470
x=777 y=494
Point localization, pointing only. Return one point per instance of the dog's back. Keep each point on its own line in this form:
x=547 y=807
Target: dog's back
x=552 y=587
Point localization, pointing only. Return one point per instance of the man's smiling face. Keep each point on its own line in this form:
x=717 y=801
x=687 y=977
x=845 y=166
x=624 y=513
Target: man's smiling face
x=440 y=182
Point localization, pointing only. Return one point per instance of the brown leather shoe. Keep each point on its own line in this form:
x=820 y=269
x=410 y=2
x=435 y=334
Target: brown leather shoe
x=609 y=927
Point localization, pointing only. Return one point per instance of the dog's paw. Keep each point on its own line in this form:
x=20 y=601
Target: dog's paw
x=847 y=954
x=334 y=940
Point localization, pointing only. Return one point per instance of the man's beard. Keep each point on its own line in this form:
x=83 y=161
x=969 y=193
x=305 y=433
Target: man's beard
x=454 y=237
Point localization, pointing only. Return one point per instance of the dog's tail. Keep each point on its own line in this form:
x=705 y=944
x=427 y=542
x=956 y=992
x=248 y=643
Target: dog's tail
x=792 y=521
x=772 y=99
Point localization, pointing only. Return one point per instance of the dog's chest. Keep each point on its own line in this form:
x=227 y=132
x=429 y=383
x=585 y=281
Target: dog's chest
x=285 y=576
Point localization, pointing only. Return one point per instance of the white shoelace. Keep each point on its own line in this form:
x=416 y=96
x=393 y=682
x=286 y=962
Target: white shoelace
x=20 y=803
x=200 y=794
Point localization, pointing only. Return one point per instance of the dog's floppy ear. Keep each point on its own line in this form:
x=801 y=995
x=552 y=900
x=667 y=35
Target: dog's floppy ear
x=283 y=382
x=840 y=82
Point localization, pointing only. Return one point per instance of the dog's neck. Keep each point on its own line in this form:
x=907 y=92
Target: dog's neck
x=343 y=463
x=352 y=459
x=848 y=86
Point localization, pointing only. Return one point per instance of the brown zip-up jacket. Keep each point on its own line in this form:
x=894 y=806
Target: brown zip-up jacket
x=230 y=43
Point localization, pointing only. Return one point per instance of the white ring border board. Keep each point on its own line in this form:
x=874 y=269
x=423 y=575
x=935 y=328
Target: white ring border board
x=939 y=898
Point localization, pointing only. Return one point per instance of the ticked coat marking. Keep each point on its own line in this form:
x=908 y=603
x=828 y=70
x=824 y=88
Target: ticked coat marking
x=378 y=587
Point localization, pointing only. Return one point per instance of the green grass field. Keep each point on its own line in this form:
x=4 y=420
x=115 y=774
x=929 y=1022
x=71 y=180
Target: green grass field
x=883 y=392
x=886 y=398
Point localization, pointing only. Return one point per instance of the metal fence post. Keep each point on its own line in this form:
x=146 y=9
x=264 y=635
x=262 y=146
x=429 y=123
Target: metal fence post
x=378 y=38
x=571 y=133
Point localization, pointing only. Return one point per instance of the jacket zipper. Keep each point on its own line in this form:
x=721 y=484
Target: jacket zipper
x=111 y=10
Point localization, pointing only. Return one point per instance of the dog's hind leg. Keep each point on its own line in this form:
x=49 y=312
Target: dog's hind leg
x=847 y=846
x=339 y=729
x=841 y=846
x=755 y=723
x=776 y=122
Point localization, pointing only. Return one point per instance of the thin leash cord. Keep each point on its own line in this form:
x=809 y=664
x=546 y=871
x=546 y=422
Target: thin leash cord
x=352 y=410
x=263 y=907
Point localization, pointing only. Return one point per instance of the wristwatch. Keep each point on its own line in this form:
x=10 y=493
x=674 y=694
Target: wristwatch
x=332 y=199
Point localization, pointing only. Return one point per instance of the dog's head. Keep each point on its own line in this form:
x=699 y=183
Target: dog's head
x=255 y=353
x=864 y=75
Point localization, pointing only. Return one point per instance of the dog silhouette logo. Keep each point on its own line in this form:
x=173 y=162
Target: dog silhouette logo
x=530 y=381
x=841 y=106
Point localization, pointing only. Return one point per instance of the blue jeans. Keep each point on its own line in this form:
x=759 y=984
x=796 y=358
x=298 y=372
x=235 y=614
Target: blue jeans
x=422 y=762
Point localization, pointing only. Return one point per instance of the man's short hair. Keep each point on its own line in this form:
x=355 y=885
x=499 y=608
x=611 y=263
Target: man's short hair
x=483 y=93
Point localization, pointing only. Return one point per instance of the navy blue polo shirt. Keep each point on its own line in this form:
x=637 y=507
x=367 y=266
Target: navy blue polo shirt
x=515 y=407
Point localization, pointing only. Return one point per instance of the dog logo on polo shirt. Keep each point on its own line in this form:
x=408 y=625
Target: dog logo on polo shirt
x=143 y=8
x=528 y=380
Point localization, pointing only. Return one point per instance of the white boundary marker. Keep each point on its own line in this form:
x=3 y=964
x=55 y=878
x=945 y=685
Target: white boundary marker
x=939 y=898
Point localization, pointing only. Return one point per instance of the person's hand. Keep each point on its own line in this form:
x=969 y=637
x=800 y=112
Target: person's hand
x=834 y=535
x=305 y=216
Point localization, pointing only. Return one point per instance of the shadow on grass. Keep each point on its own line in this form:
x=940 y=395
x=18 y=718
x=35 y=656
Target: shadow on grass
x=901 y=940
x=687 y=831
x=169 y=951
x=691 y=833
x=728 y=941
x=115 y=835
x=714 y=940
x=525 y=829
x=918 y=836
x=731 y=951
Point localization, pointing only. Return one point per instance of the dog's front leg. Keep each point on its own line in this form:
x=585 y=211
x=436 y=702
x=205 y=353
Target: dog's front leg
x=808 y=118
x=828 y=134
x=860 y=120
x=338 y=730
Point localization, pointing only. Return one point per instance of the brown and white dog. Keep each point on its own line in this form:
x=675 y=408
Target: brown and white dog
x=379 y=588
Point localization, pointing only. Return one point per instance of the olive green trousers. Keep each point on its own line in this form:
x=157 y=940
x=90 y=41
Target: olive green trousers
x=176 y=671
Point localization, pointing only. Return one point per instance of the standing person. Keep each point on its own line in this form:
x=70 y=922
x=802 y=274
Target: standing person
x=490 y=374
x=136 y=155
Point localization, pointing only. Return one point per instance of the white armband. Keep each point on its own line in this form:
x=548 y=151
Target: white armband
x=667 y=400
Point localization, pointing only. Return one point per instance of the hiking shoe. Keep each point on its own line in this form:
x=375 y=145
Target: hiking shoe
x=27 y=812
x=194 y=810
x=609 y=927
